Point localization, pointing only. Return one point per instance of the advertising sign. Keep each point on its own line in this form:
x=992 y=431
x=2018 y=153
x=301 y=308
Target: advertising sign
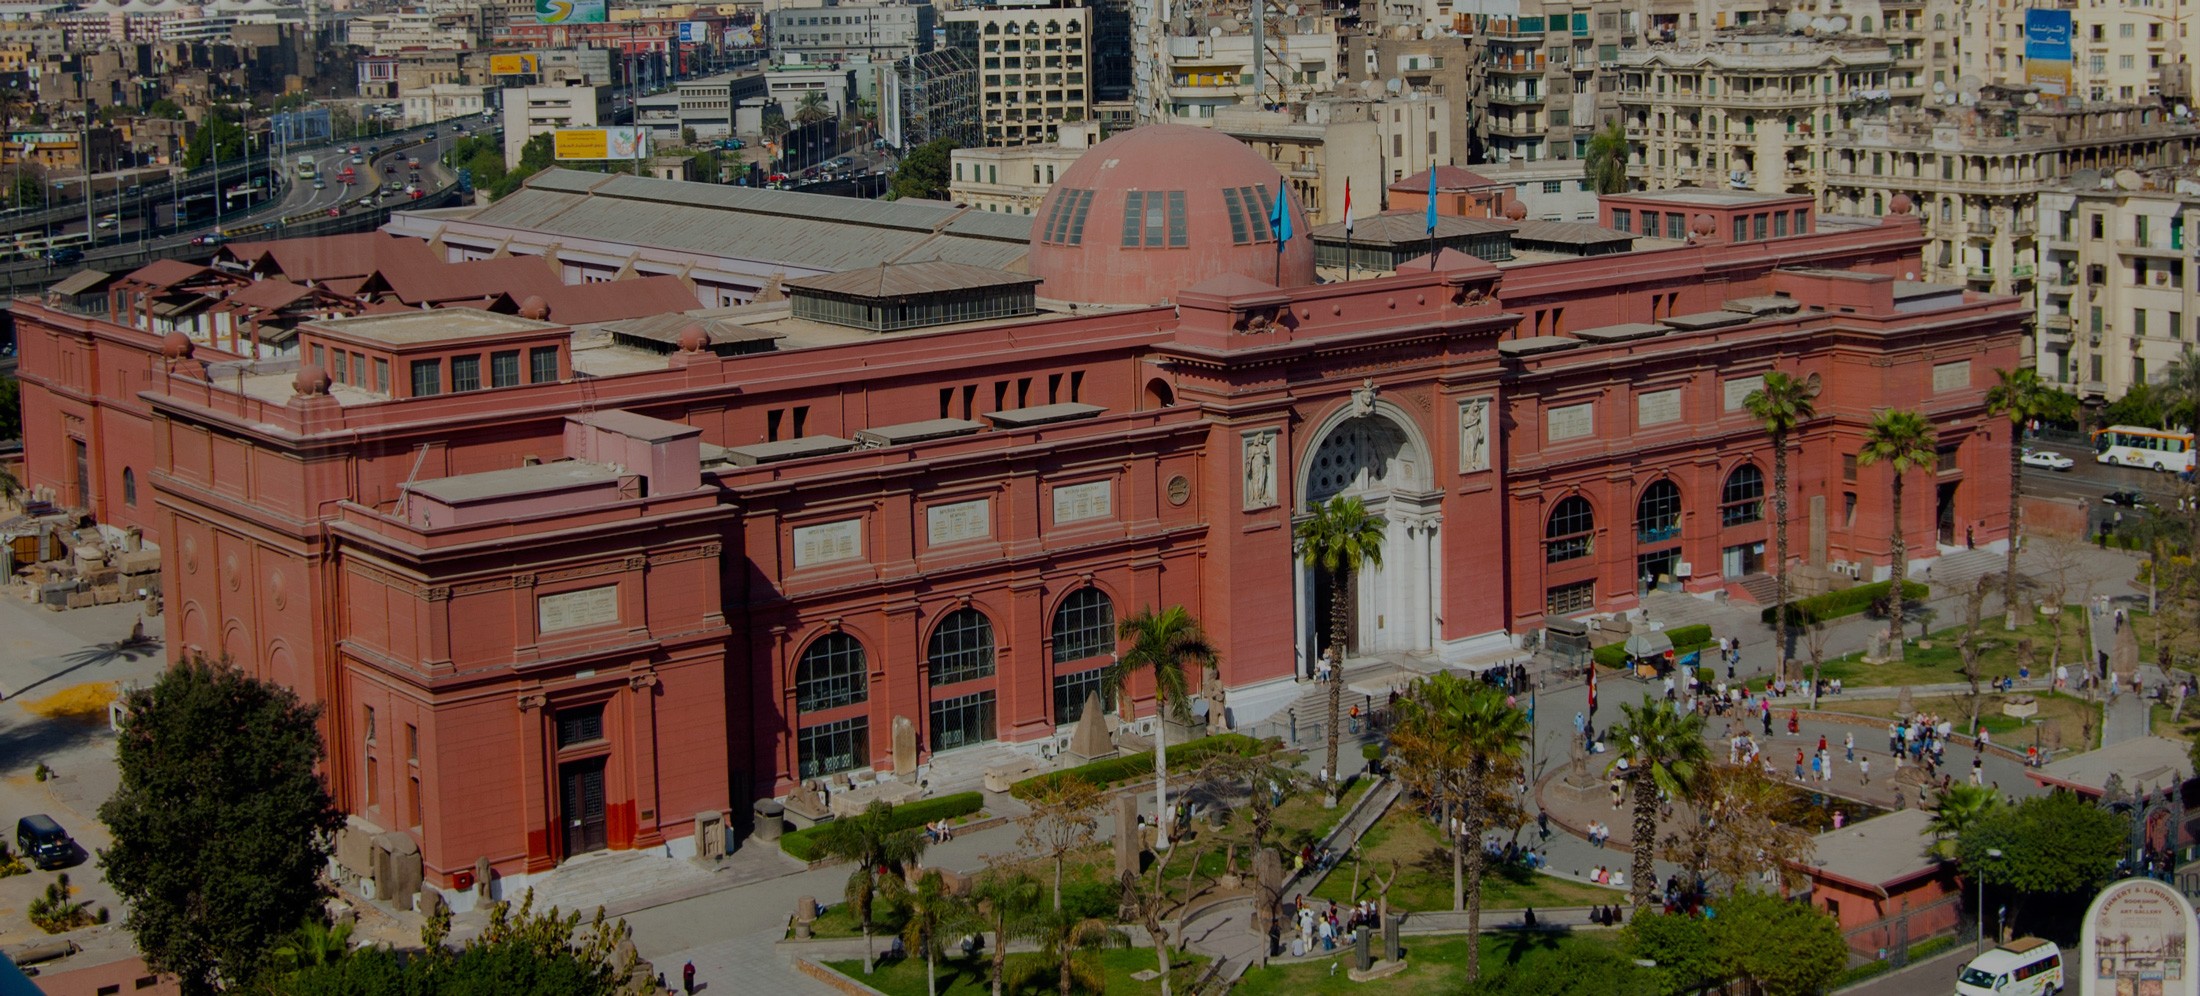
x=694 y=32
x=527 y=64
x=600 y=143
x=2047 y=50
x=571 y=12
x=2139 y=939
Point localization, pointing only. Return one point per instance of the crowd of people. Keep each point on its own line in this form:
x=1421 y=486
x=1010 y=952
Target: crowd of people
x=1321 y=929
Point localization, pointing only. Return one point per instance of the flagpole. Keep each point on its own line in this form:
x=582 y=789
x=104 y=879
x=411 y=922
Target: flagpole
x=1348 y=229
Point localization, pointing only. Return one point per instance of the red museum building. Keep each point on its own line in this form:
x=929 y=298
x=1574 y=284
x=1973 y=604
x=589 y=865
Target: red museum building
x=566 y=586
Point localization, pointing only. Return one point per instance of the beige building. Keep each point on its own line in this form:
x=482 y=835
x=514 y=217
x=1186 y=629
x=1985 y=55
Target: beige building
x=1211 y=66
x=2117 y=303
x=1975 y=172
x=1033 y=74
x=1013 y=179
x=2119 y=47
x=1319 y=144
x=537 y=110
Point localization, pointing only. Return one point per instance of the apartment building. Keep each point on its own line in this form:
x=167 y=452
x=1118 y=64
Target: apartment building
x=537 y=110
x=1551 y=76
x=1211 y=61
x=850 y=33
x=2119 y=48
x=1975 y=171
x=2117 y=302
x=1033 y=68
x=1321 y=143
x=1014 y=179
x=1396 y=59
x=443 y=102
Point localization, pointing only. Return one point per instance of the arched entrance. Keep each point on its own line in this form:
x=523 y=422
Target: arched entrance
x=1375 y=452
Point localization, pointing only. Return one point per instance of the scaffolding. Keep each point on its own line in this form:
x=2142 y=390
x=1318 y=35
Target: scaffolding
x=938 y=98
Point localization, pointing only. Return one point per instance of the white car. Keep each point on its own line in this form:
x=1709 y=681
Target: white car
x=2048 y=459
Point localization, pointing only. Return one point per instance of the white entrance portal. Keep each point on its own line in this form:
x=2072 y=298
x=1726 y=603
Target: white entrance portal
x=1379 y=457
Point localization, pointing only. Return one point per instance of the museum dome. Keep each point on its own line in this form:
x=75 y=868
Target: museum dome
x=1152 y=211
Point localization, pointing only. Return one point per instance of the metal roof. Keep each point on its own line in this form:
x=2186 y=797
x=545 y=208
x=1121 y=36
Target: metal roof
x=903 y=279
x=1017 y=418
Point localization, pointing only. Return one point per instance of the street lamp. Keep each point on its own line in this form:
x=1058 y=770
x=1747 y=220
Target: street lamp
x=1992 y=853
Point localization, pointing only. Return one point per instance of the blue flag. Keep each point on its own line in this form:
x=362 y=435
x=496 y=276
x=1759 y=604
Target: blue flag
x=1279 y=216
x=1432 y=200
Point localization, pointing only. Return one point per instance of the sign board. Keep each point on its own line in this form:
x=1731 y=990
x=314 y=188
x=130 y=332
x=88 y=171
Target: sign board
x=2047 y=54
x=575 y=609
x=2139 y=939
x=694 y=32
x=571 y=12
x=600 y=143
x=525 y=64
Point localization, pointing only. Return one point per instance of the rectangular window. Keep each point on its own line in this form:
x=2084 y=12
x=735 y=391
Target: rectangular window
x=1945 y=460
x=374 y=782
x=1760 y=227
x=542 y=365
x=1848 y=466
x=370 y=724
x=320 y=357
x=1569 y=599
x=830 y=747
x=381 y=375
x=1070 y=692
x=1676 y=227
x=962 y=721
x=1623 y=220
x=358 y=370
x=1848 y=509
x=412 y=743
x=412 y=800
x=1741 y=228
x=504 y=369
x=580 y=726
x=1650 y=223
x=1780 y=225
x=466 y=373
x=2176 y=324
x=427 y=378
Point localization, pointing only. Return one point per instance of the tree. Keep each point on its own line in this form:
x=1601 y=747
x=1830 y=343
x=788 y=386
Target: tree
x=2021 y=396
x=217 y=139
x=312 y=945
x=1064 y=938
x=814 y=108
x=931 y=913
x=2057 y=847
x=537 y=155
x=870 y=840
x=221 y=825
x=1005 y=897
x=1782 y=405
x=1903 y=440
x=1739 y=837
x=11 y=407
x=1065 y=815
x=1662 y=752
x=1578 y=969
x=2139 y=406
x=1161 y=644
x=1605 y=167
x=1147 y=904
x=1680 y=944
x=1481 y=733
x=2180 y=391
x=1959 y=808
x=923 y=172
x=519 y=951
x=1778 y=947
x=164 y=108
x=1340 y=538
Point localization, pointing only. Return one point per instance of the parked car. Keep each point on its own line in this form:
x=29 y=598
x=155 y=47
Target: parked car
x=107 y=221
x=42 y=841
x=209 y=239
x=2048 y=459
x=2125 y=499
x=64 y=256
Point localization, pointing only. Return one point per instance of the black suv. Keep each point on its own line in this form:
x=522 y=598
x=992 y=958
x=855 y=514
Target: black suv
x=42 y=841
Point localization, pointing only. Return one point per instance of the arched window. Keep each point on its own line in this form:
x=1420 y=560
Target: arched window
x=1084 y=626
x=1658 y=514
x=962 y=648
x=129 y=487
x=1571 y=532
x=832 y=674
x=1940 y=22
x=1743 y=498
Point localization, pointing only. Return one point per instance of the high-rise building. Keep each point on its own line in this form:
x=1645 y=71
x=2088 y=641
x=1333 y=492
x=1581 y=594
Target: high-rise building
x=850 y=32
x=1034 y=70
x=2119 y=298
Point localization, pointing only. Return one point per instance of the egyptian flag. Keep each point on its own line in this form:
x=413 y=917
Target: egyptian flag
x=1592 y=688
x=1348 y=206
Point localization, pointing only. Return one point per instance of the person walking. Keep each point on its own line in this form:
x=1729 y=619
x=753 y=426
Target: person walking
x=1864 y=768
x=1848 y=745
x=687 y=978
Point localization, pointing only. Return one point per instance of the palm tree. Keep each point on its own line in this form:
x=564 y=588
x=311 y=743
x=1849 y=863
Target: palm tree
x=1663 y=751
x=2022 y=396
x=1482 y=733
x=932 y=913
x=1902 y=439
x=870 y=840
x=815 y=107
x=1958 y=809
x=1161 y=643
x=1064 y=937
x=313 y=945
x=1004 y=897
x=1605 y=166
x=1340 y=538
x=1782 y=405
x=2180 y=391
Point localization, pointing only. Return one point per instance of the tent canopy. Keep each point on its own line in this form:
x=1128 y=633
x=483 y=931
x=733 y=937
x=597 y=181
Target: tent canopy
x=1652 y=643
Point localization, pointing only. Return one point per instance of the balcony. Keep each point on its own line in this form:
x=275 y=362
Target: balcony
x=2014 y=271
x=2059 y=325
x=2150 y=247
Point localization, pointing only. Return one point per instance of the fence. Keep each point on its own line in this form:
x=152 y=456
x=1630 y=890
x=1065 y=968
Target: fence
x=1890 y=939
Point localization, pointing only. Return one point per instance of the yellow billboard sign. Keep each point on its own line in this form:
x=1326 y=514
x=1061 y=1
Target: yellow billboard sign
x=528 y=64
x=600 y=143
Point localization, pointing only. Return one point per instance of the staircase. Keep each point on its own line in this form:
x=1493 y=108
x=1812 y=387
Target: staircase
x=1758 y=589
x=1960 y=570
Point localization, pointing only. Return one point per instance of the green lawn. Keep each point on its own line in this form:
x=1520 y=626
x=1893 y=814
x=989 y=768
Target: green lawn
x=966 y=978
x=2073 y=716
x=1424 y=872
x=1433 y=964
x=1940 y=662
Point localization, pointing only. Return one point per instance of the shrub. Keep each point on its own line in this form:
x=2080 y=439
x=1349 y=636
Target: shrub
x=802 y=844
x=1846 y=602
x=1930 y=947
x=1861 y=972
x=1685 y=639
x=1131 y=767
x=1092 y=900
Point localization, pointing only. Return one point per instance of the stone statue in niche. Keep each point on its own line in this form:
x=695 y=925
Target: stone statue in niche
x=1260 y=469
x=1474 y=435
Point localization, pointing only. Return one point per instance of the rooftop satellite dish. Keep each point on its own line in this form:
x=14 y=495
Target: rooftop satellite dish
x=2031 y=98
x=1395 y=84
x=1231 y=25
x=2183 y=111
x=1820 y=23
x=1969 y=84
x=1797 y=20
x=1214 y=32
x=1940 y=87
x=1292 y=10
x=1967 y=98
x=2129 y=180
x=1837 y=24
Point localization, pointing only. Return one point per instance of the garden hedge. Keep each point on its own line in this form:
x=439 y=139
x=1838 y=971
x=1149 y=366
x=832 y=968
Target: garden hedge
x=1685 y=639
x=1846 y=602
x=1131 y=767
x=802 y=844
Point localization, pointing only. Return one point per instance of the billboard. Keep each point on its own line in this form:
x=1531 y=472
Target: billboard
x=600 y=143
x=571 y=12
x=694 y=32
x=528 y=64
x=2047 y=50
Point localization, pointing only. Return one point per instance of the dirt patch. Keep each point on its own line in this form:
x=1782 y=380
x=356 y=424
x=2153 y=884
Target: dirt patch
x=84 y=703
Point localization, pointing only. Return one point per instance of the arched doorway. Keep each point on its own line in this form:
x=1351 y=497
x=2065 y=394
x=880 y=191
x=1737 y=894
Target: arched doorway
x=1374 y=452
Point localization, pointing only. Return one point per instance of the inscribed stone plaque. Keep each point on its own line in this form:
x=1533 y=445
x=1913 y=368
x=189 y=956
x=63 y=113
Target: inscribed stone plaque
x=1739 y=388
x=1077 y=502
x=963 y=520
x=1572 y=422
x=574 y=609
x=827 y=542
x=1658 y=407
x=1951 y=376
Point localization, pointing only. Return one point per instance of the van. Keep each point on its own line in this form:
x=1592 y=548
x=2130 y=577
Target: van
x=2028 y=966
x=42 y=840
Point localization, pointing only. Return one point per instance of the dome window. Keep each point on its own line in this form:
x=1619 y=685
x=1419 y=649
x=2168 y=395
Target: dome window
x=1154 y=219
